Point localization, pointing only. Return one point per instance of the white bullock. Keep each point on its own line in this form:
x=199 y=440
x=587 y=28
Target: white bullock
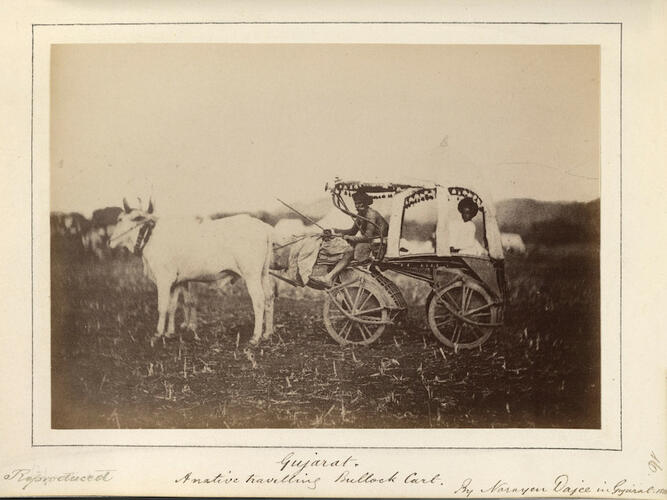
x=189 y=302
x=512 y=243
x=179 y=250
x=287 y=230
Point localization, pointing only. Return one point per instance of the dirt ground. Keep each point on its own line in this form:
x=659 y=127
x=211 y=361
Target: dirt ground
x=540 y=370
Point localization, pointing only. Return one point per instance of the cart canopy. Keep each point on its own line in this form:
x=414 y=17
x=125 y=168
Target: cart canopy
x=408 y=192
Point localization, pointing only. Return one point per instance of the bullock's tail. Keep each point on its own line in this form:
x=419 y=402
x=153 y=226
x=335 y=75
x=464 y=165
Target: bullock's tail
x=269 y=263
x=269 y=252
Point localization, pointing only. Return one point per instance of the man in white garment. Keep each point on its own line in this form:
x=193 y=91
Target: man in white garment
x=462 y=232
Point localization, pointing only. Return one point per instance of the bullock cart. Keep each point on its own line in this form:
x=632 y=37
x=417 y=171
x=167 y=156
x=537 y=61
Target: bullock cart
x=468 y=287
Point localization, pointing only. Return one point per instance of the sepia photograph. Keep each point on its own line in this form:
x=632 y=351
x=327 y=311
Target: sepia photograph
x=325 y=236
x=333 y=252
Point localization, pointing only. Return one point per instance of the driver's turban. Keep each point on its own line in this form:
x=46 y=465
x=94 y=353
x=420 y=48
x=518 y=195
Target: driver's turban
x=363 y=197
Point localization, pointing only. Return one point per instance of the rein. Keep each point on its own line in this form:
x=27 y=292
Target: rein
x=278 y=247
x=127 y=231
x=144 y=234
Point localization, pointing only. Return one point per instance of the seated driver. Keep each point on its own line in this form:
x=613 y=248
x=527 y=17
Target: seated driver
x=354 y=242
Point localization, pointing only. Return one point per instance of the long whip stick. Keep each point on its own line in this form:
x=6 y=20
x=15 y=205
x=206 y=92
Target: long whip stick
x=300 y=214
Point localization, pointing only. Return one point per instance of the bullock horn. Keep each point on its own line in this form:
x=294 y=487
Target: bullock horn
x=150 y=206
x=126 y=207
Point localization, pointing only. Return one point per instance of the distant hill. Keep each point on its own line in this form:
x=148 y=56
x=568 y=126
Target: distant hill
x=536 y=221
x=550 y=222
x=520 y=213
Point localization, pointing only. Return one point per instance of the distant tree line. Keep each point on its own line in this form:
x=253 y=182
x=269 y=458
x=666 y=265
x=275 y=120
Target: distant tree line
x=541 y=223
x=73 y=236
x=553 y=223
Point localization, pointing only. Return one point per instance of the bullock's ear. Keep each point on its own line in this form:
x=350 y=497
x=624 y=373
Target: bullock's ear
x=126 y=207
x=150 y=206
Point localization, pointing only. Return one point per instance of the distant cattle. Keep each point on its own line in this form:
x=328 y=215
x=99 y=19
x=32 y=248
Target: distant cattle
x=512 y=243
x=106 y=218
x=66 y=232
x=67 y=224
x=179 y=250
x=96 y=242
x=75 y=237
x=57 y=225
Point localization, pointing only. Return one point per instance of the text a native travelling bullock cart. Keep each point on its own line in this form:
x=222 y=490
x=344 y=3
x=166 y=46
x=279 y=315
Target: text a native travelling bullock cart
x=467 y=280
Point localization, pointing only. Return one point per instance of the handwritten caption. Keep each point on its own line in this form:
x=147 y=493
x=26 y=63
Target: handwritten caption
x=30 y=477
x=313 y=470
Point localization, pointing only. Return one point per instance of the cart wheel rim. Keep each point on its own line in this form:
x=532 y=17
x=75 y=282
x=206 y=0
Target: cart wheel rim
x=360 y=299
x=467 y=299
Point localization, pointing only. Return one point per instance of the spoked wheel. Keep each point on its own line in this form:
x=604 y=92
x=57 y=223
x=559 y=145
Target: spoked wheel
x=463 y=315
x=354 y=313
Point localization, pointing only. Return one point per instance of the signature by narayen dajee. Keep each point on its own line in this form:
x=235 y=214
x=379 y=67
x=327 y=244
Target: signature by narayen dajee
x=28 y=477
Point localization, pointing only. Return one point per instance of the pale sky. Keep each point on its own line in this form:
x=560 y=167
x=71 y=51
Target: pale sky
x=220 y=127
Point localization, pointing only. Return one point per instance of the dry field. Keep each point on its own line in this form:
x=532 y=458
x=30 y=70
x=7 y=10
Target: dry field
x=540 y=370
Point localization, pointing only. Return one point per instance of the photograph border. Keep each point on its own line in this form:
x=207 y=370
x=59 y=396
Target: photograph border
x=35 y=26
